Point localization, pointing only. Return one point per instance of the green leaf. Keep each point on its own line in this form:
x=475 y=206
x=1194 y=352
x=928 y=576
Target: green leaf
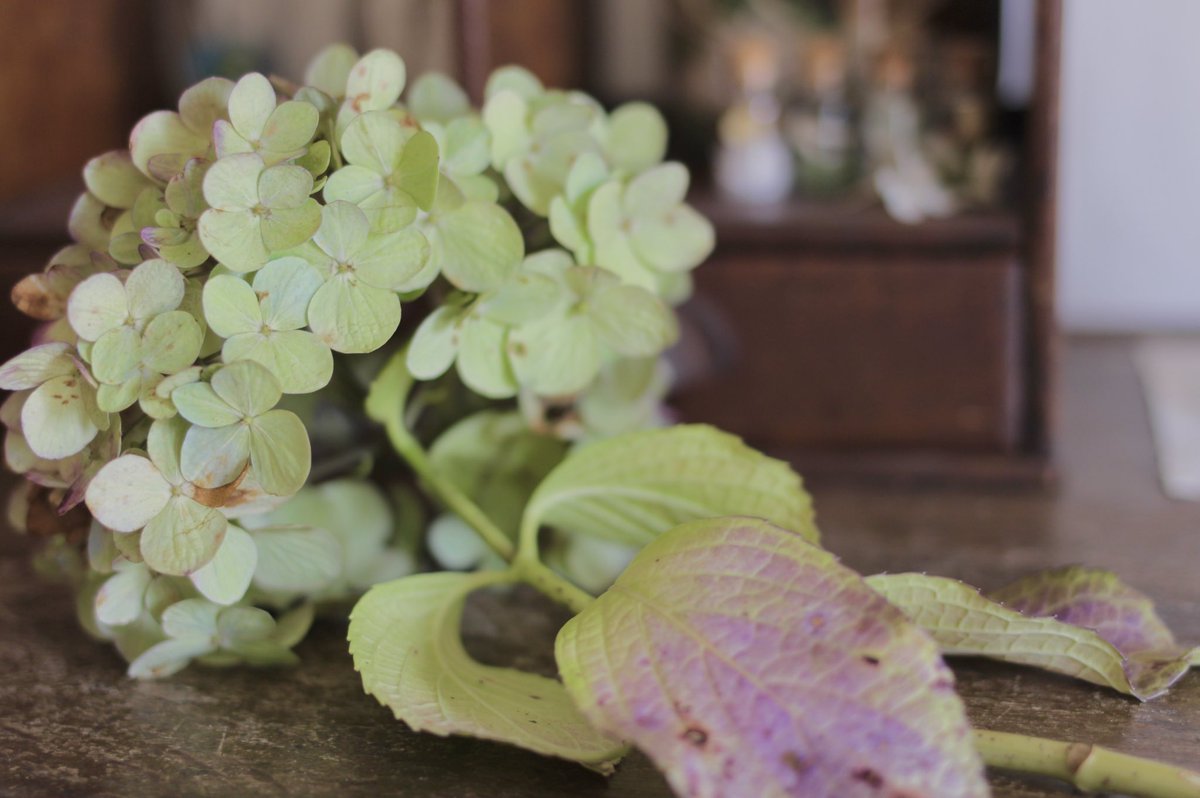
x=279 y=452
x=226 y=577
x=964 y=622
x=476 y=246
x=494 y=458
x=706 y=654
x=405 y=640
x=183 y=537
x=296 y=559
x=631 y=488
x=127 y=492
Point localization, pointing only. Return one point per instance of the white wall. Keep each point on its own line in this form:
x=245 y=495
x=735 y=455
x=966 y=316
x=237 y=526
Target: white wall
x=1129 y=213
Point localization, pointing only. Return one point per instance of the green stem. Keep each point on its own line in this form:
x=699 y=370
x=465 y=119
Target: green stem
x=531 y=570
x=454 y=499
x=1090 y=768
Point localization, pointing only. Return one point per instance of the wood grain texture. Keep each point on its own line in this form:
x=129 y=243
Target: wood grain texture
x=71 y=724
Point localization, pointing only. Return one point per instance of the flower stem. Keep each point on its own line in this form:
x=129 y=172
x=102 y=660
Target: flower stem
x=454 y=499
x=1090 y=768
x=534 y=572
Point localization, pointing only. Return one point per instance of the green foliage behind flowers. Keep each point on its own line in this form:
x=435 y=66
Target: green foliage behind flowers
x=228 y=265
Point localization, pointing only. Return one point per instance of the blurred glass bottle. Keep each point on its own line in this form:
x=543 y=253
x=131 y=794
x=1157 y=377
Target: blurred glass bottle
x=820 y=122
x=754 y=163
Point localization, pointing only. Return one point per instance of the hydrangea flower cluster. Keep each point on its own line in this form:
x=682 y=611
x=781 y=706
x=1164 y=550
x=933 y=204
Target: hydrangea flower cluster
x=226 y=268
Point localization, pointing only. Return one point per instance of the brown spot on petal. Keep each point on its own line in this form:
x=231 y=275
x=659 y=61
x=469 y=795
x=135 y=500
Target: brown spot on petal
x=868 y=777
x=696 y=736
x=227 y=495
x=795 y=761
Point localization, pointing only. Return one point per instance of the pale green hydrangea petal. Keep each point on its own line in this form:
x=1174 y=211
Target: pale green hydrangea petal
x=417 y=171
x=300 y=361
x=119 y=600
x=344 y=228
x=284 y=287
x=279 y=452
x=329 y=69
x=116 y=355
x=436 y=97
x=231 y=184
x=226 y=577
x=435 y=343
x=250 y=105
x=632 y=321
x=524 y=298
x=113 y=179
x=375 y=140
x=183 y=537
x=235 y=238
x=482 y=363
x=477 y=246
x=353 y=184
x=286 y=228
x=353 y=317
x=558 y=356
x=199 y=403
x=296 y=559
x=231 y=306
x=506 y=116
x=516 y=79
x=393 y=260
x=239 y=625
x=678 y=241
x=164 y=444
x=636 y=137
x=655 y=190
x=171 y=342
x=284 y=186
x=97 y=305
x=376 y=81
x=118 y=397
x=247 y=387
x=36 y=365
x=290 y=127
x=212 y=457
x=168 y=657
x=127 y=492
x=191 y=617
x=59 y=417
x=153 y=287
x=204 y=103
x=164 y=133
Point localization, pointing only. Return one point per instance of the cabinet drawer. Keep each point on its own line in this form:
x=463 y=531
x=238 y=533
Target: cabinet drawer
x=860 y=350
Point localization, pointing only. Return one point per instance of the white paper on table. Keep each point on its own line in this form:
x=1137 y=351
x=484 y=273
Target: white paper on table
x=1170 y=374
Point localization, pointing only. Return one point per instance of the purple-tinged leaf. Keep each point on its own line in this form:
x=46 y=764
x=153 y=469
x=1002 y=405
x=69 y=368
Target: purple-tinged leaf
x=746 y=661
x=1077 y=622
x=1098 y=600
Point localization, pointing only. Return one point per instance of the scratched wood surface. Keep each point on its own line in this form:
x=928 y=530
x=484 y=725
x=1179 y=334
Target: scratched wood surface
x=70 y=724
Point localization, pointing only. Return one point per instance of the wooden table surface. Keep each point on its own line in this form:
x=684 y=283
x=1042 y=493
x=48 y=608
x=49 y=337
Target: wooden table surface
x=71 y=724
